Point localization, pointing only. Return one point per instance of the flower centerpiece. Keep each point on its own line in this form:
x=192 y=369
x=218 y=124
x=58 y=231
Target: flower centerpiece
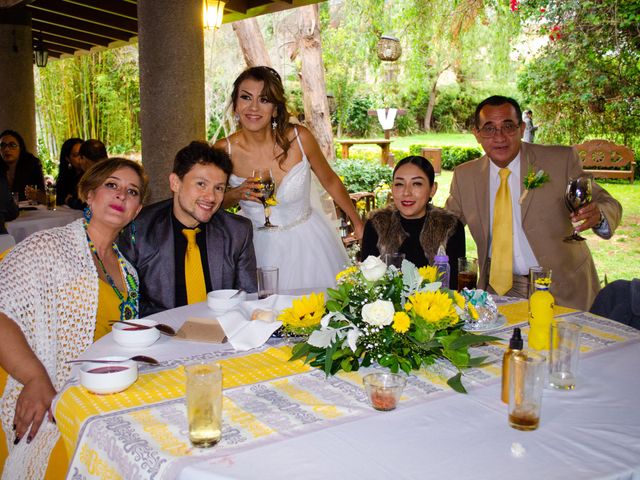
x=401 y=319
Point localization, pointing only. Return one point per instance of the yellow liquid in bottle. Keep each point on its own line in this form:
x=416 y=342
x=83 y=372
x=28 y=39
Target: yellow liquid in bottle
x=540 y=318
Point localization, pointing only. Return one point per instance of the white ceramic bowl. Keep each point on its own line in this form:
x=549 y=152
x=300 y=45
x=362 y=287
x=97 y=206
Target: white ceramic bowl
x=220 y=301
x=129 y=336
x=105 y=378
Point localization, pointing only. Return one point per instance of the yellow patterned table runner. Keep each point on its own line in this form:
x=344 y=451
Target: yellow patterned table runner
x=518 y=312
x=76 y=404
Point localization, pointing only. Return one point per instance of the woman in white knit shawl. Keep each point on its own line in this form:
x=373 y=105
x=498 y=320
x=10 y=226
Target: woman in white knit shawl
x=58 y=289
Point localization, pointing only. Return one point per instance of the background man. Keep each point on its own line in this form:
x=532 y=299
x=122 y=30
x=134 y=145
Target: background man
x=513 y=236
x=186 y=246
x=529 y=128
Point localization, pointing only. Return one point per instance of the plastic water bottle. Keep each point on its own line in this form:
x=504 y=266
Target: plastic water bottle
x=441 y=262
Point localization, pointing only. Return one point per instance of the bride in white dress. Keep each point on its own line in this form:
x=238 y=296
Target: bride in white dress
x=305 y=245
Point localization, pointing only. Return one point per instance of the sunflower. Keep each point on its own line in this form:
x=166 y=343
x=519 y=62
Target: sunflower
x=433 y=307
x=305 y=312
x=428 y=273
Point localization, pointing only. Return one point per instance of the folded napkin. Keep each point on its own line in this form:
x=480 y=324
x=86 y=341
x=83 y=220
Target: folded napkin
x=201 y=330
x=244 y=333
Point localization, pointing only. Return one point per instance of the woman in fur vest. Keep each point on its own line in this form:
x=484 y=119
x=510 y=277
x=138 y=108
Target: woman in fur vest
x=412 y=225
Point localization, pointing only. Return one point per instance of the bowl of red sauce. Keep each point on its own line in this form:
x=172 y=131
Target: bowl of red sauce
x=141 y=336
x=106 y=378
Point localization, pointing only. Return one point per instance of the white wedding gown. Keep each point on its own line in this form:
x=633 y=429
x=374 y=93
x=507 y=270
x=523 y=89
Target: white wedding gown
x=305 y=246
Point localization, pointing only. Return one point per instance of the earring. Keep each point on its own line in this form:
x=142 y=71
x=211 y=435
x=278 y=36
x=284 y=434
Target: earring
x=236 y=117
x=133 y=233
x=274 y=124
x=87 y=213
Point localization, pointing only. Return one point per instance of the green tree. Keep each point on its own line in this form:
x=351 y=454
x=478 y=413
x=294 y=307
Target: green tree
x=89 y=96
x=586 y=81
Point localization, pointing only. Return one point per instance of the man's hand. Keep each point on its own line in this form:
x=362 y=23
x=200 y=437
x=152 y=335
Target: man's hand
x=587 y=217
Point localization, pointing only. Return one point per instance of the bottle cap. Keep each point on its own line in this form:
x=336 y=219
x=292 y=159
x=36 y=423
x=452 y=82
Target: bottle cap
x=441 y=256
x=516 y=340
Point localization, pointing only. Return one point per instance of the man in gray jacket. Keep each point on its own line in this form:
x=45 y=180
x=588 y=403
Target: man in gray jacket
x=186 y=246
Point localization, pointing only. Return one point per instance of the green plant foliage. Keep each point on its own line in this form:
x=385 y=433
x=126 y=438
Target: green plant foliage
x=454 y=109
x=584 y=83
x=362 y=176
x=358 y=121
x=99 y=98
x=451 y=156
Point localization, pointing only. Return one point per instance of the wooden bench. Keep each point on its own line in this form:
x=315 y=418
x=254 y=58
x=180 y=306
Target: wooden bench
x=600 y=158
x=383 y=143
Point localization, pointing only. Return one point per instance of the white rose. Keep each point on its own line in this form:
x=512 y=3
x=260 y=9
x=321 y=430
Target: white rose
x=379 y=313
x=373 y=268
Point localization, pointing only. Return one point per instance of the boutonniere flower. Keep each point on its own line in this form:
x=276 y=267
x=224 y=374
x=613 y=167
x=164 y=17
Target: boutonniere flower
x=534 y=179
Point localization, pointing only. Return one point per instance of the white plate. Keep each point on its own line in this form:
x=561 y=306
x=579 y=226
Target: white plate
x=501 y=321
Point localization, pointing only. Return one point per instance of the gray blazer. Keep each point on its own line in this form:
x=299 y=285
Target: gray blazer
x=230 y=254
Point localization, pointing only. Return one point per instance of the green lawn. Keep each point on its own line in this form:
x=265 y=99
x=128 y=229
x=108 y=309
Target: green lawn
x=435 y=140
x=430 y=139
x=617 y=258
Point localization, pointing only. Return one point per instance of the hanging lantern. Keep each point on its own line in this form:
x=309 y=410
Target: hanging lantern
x=212 y=12
x=40 y=53
x=389 y=49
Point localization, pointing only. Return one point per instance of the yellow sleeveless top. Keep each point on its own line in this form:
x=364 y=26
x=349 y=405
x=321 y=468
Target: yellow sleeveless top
x=108 y=309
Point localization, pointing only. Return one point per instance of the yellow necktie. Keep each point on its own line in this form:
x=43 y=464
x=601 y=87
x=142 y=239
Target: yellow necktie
x=501 y=274
x=193 y=274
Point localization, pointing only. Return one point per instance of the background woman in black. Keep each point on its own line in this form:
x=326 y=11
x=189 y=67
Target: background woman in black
x=412 y=225
x=22 y=168
x=70 y=170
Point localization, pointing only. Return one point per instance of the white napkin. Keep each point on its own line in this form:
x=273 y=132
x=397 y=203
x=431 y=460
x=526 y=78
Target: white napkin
x=244 y=333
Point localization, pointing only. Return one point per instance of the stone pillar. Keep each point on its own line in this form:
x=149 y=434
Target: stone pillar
x=18 y=104
x=172 y=102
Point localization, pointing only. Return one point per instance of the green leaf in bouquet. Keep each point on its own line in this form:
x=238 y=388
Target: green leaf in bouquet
x=411 y=278
x=455 y=383
x=460 y=358
x=469 y=339
x=334 y=306
x=476 y=361
x=299 y=350
x=345 y=364
x=328 y=360
x=405 y=365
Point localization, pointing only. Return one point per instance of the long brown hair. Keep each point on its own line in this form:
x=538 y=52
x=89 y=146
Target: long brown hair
x=274 y=92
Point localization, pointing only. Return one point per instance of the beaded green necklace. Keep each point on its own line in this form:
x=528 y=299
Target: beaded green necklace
x=129 y=305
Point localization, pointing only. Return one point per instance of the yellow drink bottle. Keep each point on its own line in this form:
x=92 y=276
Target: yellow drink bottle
x=540 y=317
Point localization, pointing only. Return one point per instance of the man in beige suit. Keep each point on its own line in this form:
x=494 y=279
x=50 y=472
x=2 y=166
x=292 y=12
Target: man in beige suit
x=540 y=221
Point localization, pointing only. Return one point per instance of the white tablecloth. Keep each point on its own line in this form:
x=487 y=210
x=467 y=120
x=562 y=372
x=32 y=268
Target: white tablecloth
x=592 y=432
x=31 y=221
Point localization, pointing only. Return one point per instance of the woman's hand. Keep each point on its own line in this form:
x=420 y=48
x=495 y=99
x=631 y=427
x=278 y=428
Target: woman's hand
x=33 y=404
x=245 y=191
x=358 y=228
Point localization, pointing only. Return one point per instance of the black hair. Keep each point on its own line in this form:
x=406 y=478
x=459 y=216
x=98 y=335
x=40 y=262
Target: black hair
x=497 y=100
x=420 y=162
x=93 y=150
x=65 y=152
x=24 y=153
x=200 y=152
